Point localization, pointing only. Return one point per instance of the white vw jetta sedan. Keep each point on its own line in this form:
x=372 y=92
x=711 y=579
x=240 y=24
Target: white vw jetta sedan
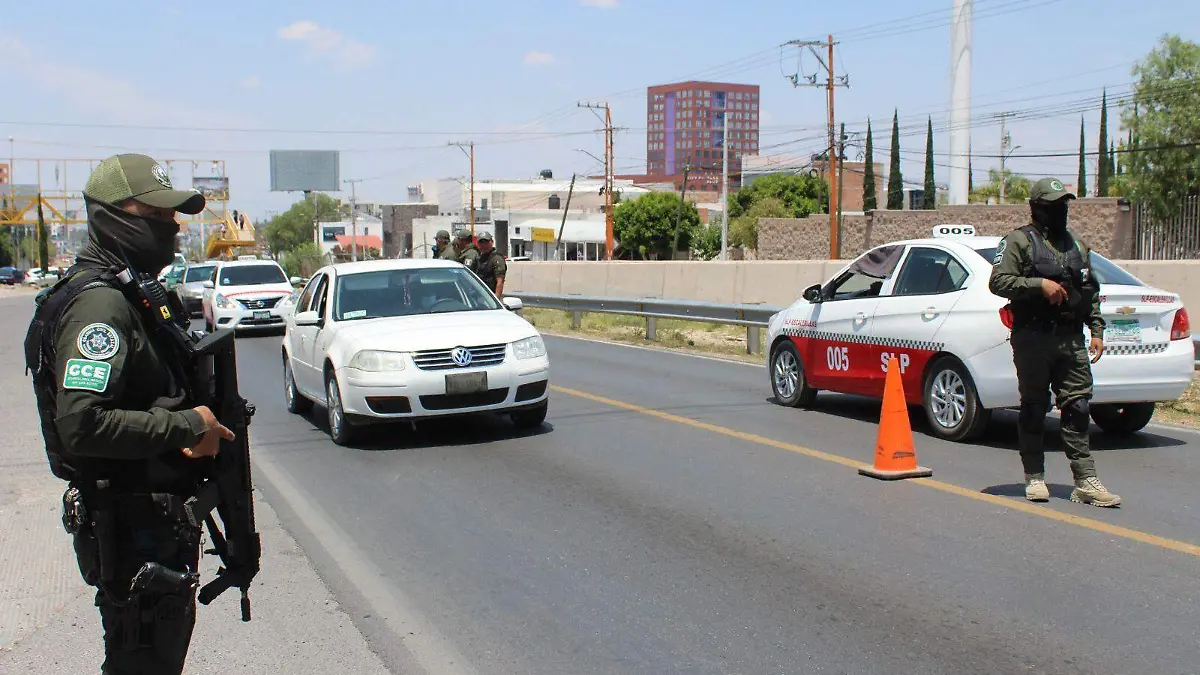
x=409 y=339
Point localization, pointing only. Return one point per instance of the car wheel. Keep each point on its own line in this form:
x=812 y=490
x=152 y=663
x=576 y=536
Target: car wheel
x=339 y=429
x=951 y=402
x=1122 y=419
x=531 y=418
x=788 y=380
x=296 y=403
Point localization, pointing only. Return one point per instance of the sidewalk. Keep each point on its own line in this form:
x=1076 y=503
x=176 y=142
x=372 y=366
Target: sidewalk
x=47 y=622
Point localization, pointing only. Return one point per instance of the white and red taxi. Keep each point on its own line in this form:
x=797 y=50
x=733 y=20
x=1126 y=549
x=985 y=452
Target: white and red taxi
x=926 y=303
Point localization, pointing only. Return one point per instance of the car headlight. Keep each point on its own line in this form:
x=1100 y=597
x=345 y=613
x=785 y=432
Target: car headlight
x=289 y=300
x=222 y=302
x=375 y=361
x=529 y=348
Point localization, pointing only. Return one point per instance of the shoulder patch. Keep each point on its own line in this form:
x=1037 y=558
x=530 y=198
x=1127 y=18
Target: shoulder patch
x=1000 y=251
x=86 y=375
x=98 y=341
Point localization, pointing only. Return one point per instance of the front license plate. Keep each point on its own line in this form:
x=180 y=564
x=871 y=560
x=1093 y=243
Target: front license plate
x=466 y=383
x=262 y=316
x=1123 y=330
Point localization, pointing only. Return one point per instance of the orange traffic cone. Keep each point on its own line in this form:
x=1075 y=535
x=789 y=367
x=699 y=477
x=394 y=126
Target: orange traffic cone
x=895 y=455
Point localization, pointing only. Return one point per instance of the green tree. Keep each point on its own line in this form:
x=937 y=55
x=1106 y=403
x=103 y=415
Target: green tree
x=302 y=261
x=1016 y=189
x=870 y=201
x=295 y=226
x=8 y=249
x=743 y=230
x=895 y=199
x=1103 y=170
x=930 y=198
x=800 y=194
x=646 y=225
x=1081 y=187
x=708 y=241
x=1165 y=126
x=43 y=239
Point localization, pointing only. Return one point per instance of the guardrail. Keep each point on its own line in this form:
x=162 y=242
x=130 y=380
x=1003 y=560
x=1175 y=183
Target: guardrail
x=754 y=317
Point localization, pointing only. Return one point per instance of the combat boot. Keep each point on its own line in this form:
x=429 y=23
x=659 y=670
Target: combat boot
x=1092 y=491
x=1035 y=488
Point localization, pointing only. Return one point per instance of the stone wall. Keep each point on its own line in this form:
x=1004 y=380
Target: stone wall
x=398 y=226
x=1099 y=221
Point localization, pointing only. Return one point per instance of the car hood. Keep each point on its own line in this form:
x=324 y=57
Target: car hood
x=436 y=331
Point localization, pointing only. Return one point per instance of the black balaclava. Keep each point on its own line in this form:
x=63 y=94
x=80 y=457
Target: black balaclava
x=118 y=237
x=1051 y=216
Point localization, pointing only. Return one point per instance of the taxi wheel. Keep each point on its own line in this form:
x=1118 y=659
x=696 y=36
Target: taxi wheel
x=1122 y=419
x=788 y=381
x=951 y=403
x=340 y=430
x=296 y=403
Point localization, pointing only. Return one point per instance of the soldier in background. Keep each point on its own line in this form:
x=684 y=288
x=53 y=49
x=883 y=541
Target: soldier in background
x=492 y=266
x=442 y=249
x=1045 y=272
x=465 y=251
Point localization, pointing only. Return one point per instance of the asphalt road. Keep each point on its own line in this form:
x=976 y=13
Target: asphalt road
x=670 y=518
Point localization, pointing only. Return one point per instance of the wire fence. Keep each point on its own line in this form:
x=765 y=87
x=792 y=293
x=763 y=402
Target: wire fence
x=1174 y=239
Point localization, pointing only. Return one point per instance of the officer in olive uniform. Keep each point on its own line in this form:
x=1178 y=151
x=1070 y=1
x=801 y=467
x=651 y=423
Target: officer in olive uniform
x=116 y=420
x=465 y=250
x=492 y=266
x=442 y=250
x=1045 y=272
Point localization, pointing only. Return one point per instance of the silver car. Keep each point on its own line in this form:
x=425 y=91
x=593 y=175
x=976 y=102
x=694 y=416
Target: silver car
x=191 y=287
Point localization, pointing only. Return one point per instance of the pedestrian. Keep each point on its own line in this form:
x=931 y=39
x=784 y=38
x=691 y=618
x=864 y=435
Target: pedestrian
x=492 y=266
x=465 y=251
x=1045 y=272
x=442 y=249
x=117 y=423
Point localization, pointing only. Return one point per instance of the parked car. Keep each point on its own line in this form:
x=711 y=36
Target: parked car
x=410 y=339
x=11 y=276
x=926 y=303
x=191 y=285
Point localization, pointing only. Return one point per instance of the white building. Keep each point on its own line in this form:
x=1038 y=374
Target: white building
x=367 y=226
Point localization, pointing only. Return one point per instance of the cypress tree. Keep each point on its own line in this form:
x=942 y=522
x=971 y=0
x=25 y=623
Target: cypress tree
x=895 y=200
x=870 y=201
x=1102 y=167
x=1081 y=188
x=1112 y=159
x=930 y=200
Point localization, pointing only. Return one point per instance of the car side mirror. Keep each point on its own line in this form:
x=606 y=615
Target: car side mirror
x=295 y=281
x=513 y=304
x=208 y=283
x=813 y=293
x=309 y=318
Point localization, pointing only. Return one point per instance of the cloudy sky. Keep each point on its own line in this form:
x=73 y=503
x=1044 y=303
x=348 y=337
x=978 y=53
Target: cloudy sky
x=390 y=84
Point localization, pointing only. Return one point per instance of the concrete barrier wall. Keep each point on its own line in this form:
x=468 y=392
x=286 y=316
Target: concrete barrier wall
x=777 y=283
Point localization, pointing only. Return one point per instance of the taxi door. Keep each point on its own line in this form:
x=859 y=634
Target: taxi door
x=929 y=283
x=840 y=353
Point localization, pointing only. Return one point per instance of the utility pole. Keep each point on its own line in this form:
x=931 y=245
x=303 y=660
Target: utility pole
x=1005 y=141
x=563 y=224
x=840 y=157
x=353 y=217
x=725 y=186
x=679 y=214
x=830 y=82
x=470 y=144
x=608 y=175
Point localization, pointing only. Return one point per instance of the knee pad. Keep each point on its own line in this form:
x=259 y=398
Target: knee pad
x=1076 y=415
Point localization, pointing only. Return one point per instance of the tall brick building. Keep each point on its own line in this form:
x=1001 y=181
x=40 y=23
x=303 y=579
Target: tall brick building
x=685 y=126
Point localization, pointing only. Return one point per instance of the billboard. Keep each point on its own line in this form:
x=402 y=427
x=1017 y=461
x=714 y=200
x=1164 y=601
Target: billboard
x=214 y=188
x=305 y=171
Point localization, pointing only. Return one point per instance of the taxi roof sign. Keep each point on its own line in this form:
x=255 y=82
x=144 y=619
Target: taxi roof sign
x=953 y=231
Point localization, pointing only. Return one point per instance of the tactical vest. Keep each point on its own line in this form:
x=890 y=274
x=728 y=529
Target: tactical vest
x=1072 y=274
x=485 y=270
x=41 y=360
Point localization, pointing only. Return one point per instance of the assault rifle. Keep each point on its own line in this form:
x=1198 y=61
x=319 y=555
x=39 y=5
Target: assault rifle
x=211 y=363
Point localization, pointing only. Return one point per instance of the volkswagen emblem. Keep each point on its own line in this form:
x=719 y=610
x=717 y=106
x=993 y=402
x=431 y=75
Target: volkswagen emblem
x=461 y=357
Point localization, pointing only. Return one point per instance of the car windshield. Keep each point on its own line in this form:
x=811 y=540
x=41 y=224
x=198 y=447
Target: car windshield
x=252 y=275
x=409 y=292
x=1105 y=270
x=199 y=273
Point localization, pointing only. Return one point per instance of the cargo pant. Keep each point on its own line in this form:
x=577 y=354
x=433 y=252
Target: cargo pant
x=1047 y=361
x=150 y=633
